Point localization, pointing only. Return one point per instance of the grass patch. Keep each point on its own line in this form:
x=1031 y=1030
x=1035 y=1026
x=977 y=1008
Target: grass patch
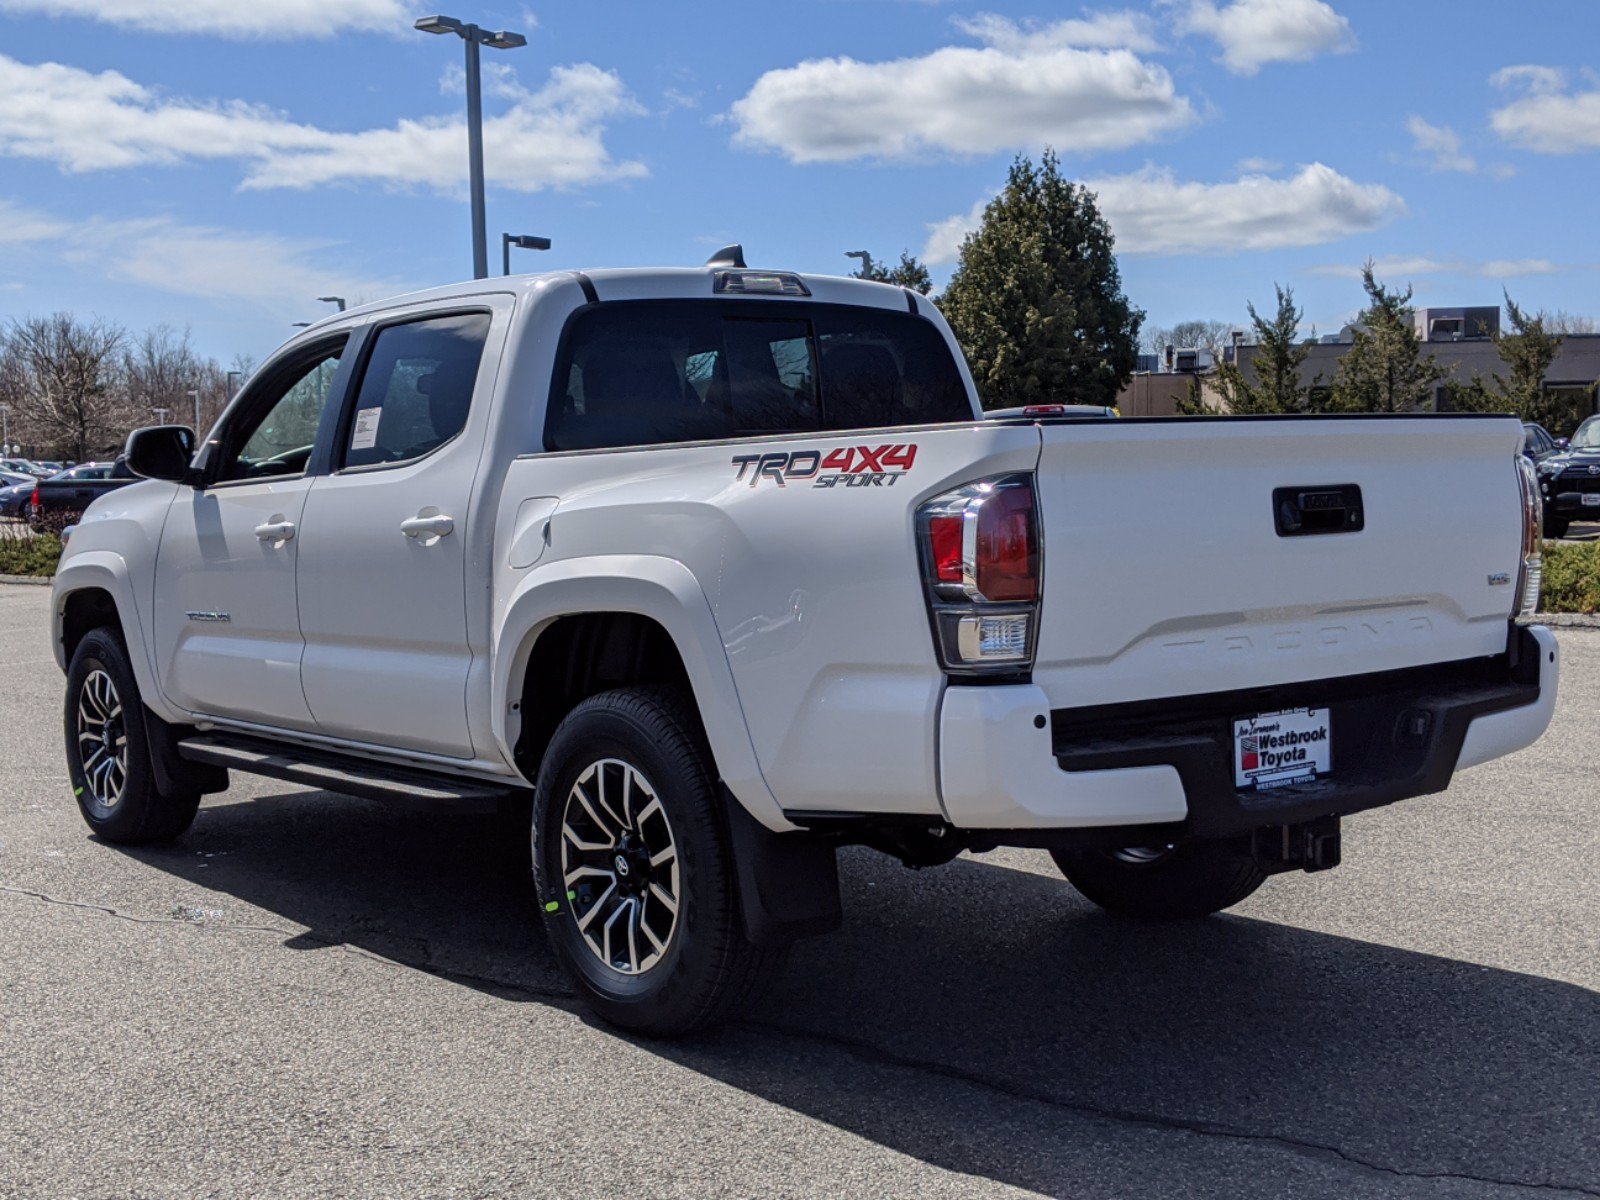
x=30 y=556
x=1571 y=577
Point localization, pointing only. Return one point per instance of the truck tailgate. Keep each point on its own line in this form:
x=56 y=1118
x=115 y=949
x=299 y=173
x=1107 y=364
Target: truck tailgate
x=1165 y=573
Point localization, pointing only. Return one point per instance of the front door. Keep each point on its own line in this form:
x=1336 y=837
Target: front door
x=227 y=631
x=384 y=546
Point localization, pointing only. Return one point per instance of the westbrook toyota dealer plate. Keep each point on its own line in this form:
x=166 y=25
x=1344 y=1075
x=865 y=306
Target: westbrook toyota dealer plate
x=1272 y=749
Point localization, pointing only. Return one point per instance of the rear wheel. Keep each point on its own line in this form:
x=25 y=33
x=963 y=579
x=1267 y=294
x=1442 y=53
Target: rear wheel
x=1555 y=527
x=1164 y=881
x=108 y=754
x=634 y=870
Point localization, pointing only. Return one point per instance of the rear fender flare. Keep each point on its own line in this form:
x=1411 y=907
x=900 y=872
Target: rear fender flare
x=665 y=591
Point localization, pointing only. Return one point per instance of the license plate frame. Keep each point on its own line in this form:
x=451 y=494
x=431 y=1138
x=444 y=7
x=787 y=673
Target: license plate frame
x=1276 y=749
x=1591 y=500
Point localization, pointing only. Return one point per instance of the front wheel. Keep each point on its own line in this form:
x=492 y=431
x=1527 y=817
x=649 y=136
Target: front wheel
x=634 y=870
x=1555 y=527
x=1163 y=881
x=108 y=753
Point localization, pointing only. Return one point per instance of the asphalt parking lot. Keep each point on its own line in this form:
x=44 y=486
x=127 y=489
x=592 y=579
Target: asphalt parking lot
x=316 y=996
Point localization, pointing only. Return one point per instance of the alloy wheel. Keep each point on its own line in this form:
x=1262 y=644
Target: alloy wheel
x=619 y=866
x=102 y=739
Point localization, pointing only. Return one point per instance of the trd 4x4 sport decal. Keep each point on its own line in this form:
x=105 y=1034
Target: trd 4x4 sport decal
x=850 y=466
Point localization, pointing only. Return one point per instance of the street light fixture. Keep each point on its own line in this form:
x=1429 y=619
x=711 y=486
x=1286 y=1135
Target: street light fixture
x=299 y=324
x=475 y=37
x=161 y=415
x=339 y=300
x=233 y=388
x=866 y=261
x=521 y=241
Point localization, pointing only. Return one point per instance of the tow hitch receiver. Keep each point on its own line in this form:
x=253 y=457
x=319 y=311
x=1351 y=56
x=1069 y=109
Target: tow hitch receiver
x=1312 y=846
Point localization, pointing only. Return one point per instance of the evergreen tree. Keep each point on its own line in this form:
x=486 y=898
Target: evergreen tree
x=1385 y=369
x=1528 y=350
x=1276 y=364
x=909 y=272
x=1037 y=301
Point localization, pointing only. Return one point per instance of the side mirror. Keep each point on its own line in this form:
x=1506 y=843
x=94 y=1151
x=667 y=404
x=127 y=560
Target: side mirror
x=160 y=452
x=1563 y=443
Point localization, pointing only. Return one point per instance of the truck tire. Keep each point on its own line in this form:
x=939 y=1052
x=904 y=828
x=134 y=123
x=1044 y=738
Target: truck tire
x=633 y=868
x=108 y=753
x=1189 y=879
x=1555 y=527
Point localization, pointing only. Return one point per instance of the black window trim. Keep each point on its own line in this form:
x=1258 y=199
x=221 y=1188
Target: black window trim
x=215 y=452
x=337 y=448
x=807 y=309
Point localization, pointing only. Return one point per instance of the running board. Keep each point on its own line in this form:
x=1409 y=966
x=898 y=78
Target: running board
x=405 y=786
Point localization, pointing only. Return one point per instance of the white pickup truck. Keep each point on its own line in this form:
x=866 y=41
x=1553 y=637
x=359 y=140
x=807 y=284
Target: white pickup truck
x=708 y=572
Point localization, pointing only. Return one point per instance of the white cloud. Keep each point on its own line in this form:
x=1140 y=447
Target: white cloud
x=1104 y=31
x=1406 y=267
x=553 y=137
x=262 y=271
x=945 y=237
x=22 y=226
x=1152 y=212
x=1026 y=86
x=1510 y=268
x=1252 y=33
x=1546 y=118
x=1441 y=145
x=1257 y=166
x=278 y=20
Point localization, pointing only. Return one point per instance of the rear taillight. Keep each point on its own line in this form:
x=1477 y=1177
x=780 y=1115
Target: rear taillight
x=1530 y=577
x=33 y=501
x=981 y=556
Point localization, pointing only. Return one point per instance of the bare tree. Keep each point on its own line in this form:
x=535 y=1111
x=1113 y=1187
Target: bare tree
x=66 y=376
x=162 y=370
x=1188 y=335
x=1562 y=323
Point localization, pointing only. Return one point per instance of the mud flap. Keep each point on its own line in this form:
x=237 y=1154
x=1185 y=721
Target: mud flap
x=788 y=882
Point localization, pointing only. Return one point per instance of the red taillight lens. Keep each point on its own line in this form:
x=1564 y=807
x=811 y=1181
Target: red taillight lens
x=34 y=499
x=944 y=533
x=1008 y=546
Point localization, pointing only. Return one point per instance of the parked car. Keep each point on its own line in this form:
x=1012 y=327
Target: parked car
x=16 y=491
x=73 y=490
x=1569 y=480
x=1537 y=443
x=707 y=573
x=23 y=466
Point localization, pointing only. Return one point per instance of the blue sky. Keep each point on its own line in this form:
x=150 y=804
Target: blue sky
x=218 y=165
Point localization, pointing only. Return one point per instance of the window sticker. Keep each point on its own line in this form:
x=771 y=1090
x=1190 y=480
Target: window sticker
x=365 y=435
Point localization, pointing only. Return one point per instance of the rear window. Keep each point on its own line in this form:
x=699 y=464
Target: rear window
x=652 y=372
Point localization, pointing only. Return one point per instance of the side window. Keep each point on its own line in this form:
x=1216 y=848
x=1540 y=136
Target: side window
x=416 y=389
x=274 y=439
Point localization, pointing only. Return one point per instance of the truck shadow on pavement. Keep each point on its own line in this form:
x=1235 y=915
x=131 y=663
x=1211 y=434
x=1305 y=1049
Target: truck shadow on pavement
x=988 y=1021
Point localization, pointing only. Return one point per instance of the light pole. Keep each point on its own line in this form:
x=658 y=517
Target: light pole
x=475 y=37
x=339 y=300
x=5 y=429
x=866 y=261
x=195 y=396
x=233 y=388
x=521 y=241
x=161 y=415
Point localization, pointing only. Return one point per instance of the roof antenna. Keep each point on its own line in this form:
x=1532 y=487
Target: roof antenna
x=728 y=256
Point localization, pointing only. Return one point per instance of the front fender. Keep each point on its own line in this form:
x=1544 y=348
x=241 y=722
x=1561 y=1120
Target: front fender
x=665 y=591
x=108 y=571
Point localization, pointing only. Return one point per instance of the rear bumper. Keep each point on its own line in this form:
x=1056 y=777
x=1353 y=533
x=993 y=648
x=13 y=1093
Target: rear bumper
x=1395 y=735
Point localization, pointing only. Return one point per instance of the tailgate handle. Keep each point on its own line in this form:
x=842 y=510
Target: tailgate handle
x=1302 y=511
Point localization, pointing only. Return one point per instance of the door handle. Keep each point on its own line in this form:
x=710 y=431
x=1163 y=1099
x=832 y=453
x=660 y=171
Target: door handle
x=438 y=525
x=275 y=531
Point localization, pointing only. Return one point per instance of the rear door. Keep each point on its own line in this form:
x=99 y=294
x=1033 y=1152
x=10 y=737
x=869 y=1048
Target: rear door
x=382 y=585
x=228 y=638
